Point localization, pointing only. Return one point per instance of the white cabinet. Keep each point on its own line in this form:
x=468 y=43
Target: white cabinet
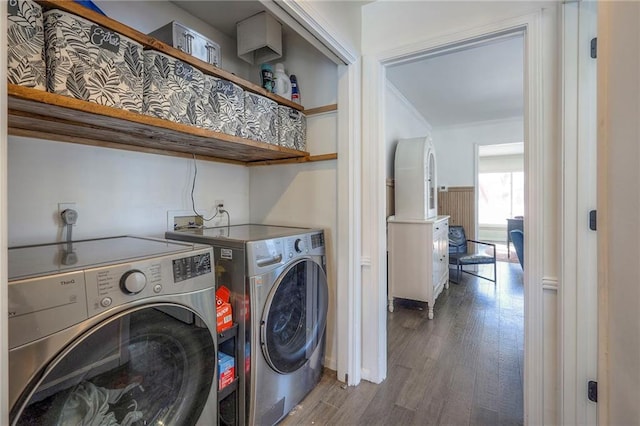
x=418 y=259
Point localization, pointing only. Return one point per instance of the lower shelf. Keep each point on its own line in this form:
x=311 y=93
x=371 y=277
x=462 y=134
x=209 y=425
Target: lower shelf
x=228 y=390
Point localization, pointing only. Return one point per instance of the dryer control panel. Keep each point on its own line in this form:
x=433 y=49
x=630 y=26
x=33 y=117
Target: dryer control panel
x=266 y=255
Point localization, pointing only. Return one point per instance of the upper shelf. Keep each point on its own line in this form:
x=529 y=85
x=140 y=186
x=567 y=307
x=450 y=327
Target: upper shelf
x=152 y=43
x=41 y=114
x=46 y=115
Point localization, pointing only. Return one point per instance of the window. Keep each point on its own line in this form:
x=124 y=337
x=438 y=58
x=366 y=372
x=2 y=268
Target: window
x=501 y=196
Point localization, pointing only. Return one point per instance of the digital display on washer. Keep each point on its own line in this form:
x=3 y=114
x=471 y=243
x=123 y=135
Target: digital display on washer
x=191 y=267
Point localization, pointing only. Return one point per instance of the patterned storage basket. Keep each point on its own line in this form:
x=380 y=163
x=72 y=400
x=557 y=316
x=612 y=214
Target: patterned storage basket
x=292 y=128
x=89 y=62
x=260 y=118
x=223 y=103
x=173 y=90
x=25 y=35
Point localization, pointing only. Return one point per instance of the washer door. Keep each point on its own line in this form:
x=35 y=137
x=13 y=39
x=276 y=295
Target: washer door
x=294 y=316
x=153 y=365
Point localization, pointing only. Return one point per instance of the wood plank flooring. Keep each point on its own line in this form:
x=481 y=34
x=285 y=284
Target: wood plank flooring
x=464 y=367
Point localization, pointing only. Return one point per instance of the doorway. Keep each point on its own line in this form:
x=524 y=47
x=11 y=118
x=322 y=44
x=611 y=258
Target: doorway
x=374 y=363
x=473 y=97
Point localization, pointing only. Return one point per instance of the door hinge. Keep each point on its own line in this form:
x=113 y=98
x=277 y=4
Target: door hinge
x=594 y=47
x=592 y=391
x=593 y=220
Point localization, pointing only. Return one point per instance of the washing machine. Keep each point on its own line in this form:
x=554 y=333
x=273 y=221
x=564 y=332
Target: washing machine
x=279 y=294
x=112 y=331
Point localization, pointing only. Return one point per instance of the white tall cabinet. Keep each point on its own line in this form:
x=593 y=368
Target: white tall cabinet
x=418 y=259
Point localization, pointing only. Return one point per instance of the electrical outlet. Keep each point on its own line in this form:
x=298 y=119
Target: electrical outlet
x=219 y=204
x=64 y=206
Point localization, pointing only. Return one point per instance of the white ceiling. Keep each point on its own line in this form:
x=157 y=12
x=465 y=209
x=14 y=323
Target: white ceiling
x=466 y=86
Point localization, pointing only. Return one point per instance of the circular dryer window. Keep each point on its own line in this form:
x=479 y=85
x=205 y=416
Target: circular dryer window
x=152 y=365
x=295 y=316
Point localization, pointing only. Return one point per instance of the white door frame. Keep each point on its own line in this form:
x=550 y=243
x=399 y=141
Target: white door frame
x=4 y=309
x=578 y=298
x=374 y=227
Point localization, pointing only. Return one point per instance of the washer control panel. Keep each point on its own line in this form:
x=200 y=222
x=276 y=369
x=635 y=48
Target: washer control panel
x=123 y=283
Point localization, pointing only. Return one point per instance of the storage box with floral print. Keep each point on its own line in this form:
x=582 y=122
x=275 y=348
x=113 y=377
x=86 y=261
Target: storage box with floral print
x=90 y=62
x=25 y=39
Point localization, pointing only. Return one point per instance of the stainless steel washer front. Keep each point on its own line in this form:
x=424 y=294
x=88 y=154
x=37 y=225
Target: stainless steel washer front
x=124 y=334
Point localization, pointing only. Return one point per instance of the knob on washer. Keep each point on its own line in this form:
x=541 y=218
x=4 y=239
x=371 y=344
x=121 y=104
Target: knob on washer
x=298 y=245
x=133 y=282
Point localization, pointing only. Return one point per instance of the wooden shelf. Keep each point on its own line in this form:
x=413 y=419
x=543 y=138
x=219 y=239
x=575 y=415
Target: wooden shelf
x=321 y=110
x=306 y=159
x=36 y=113
x=39 y=114
x=151 y=43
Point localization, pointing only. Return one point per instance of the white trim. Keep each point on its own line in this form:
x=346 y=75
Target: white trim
x=578 y=306
x=374 y=206
x=4 y=309
x=348 y=303
x=533 y=225
x=308 y=23
x=410 y=107
x=374 y=300
x=549 y=283
x=476 y=191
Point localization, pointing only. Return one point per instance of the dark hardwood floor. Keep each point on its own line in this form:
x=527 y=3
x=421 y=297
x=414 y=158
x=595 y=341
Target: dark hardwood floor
x=464 y=367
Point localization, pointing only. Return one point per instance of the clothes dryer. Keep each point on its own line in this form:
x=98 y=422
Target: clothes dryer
x=279 y=294
x=112 y=331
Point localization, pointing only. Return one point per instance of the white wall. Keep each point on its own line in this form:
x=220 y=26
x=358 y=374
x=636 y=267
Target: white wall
x=618 y=205
x=147 y=16
x=403 y=121
x=455 y=147
x=342 y=19
x=302 y=195
x=116 y=192
x=404 y=26
x=316 y=74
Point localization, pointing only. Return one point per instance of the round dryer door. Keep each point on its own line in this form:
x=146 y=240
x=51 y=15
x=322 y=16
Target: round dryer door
x=295 y=315
x=152 y=365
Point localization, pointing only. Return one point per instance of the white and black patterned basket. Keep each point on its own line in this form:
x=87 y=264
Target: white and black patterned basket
x=25 y=36
x=301 y=140
x=173 y=89
x=92 y=63
x=223 y=102
x=292 y=128
x=260 y=118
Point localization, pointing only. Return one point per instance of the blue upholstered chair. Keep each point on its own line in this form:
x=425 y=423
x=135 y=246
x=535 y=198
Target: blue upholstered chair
x=517 y=236
x=460 y=255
